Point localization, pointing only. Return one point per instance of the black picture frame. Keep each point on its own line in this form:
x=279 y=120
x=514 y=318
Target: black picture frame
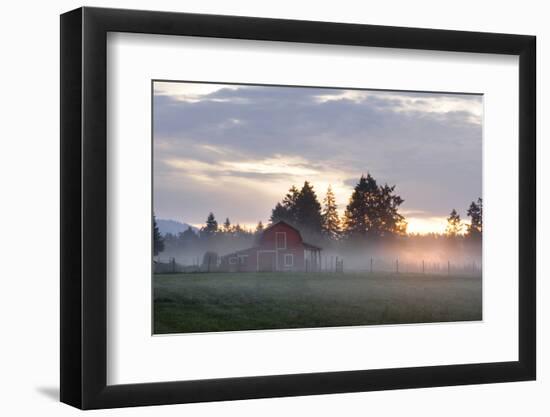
x=84 y=207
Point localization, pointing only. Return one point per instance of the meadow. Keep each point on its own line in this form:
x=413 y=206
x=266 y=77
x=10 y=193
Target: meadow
x=210 y=302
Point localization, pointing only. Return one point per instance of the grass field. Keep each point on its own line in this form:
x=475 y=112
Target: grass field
x=203 y=302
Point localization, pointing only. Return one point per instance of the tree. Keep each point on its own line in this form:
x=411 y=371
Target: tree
x=238 y=230
x=227 y=225
x=373 y=211
x=308 y=210
x=211 y=226
x=331 y=221
x=188 y=237
x=158 y=241
x=290 y=202
x=360 y=210
x=170 y=240
x=259 y=227
x=279 y=213
x=286 y=211
x=454 y=225
x=389 y=220
x=475 y=212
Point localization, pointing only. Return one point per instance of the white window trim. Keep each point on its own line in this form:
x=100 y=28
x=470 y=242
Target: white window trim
x=291 y=256
x=277 y=240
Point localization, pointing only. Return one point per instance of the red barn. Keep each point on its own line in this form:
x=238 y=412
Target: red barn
x=279 y=248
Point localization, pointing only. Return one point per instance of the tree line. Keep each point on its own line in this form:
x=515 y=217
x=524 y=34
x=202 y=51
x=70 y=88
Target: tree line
x=456 y=227
x=372 y=213
x=210 y=235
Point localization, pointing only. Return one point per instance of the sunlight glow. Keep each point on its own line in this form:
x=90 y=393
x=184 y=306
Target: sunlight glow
x=426 y=225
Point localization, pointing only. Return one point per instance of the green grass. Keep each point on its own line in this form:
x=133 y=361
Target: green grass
x=203 y=302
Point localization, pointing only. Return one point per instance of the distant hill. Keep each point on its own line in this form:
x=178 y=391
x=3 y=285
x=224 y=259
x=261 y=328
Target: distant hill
x=173 y=226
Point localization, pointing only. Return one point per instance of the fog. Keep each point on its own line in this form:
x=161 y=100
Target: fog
x=433 y=253
x=436 y=254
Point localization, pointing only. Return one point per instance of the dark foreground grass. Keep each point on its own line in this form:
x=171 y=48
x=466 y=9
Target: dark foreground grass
x=204 y=302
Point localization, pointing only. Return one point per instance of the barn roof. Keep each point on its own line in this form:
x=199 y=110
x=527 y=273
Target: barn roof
x=281 y=222
x=307 y=245
x=310 y=246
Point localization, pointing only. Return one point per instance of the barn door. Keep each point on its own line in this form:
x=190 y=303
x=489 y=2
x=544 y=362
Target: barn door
x=266 y=262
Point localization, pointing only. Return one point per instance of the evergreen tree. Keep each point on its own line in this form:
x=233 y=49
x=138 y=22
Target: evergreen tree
x=158 y=241
x=170 y=240
x=454 y=224
x=279 y=213
x=475 y=212
x=227 y=225
x=290 y=203
x=259 y=227
x=389 y=220
x=211 y=226
x=331 y=221
x=286 y=211
x=308 y=210
x=373 y=210
x=238 y=230
x=189 y=235
x=361 y=209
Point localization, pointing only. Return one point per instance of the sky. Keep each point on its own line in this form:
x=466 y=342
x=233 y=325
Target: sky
x=235 y=150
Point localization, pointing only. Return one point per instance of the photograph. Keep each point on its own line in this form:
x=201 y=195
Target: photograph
x=285 y=207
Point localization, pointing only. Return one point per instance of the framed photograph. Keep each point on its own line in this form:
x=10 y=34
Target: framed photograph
x=256 y=208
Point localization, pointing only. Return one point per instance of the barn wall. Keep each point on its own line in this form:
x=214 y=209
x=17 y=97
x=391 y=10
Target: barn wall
x=293 y=238
x=267 y=242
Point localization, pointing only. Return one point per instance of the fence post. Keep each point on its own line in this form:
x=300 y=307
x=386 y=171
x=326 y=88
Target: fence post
x=371 y=265
x=423 y=268
x=397 y=266
x=448 y=267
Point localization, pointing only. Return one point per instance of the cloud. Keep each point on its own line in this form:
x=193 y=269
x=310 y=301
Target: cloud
x=263 y=139
x=191 y=92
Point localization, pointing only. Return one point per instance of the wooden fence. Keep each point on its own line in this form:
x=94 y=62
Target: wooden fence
x=335 y=264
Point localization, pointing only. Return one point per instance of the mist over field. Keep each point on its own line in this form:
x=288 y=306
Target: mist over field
x=436 y=251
